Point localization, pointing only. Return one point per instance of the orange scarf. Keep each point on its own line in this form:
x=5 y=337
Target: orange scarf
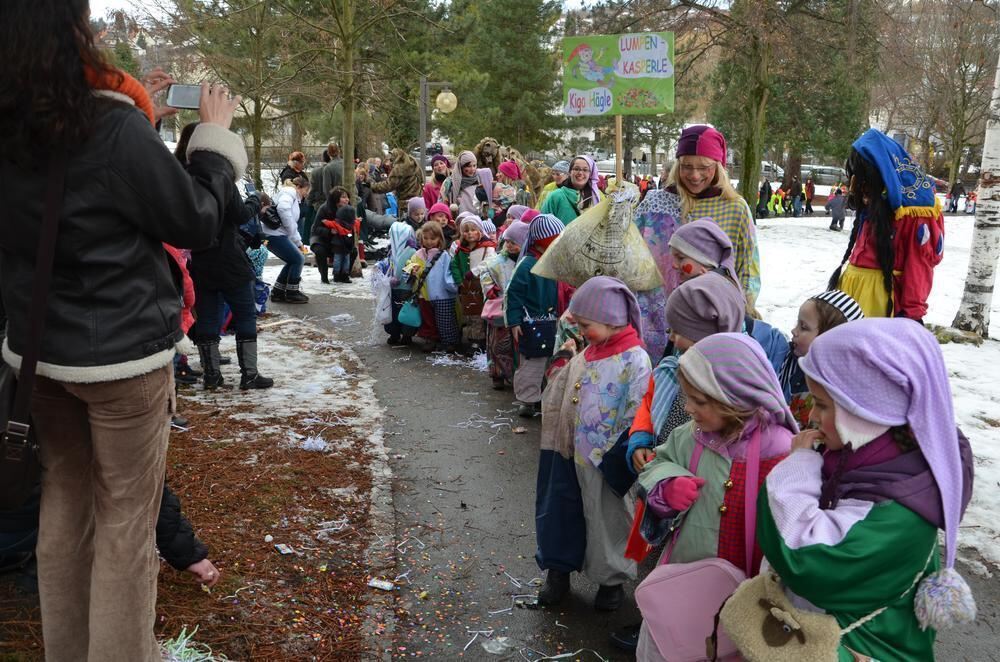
x=115 y=80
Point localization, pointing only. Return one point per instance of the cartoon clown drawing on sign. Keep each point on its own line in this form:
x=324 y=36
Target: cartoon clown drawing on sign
x=586 y=65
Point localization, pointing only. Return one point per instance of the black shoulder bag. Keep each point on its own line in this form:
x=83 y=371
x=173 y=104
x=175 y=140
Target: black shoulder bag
x=19 y=466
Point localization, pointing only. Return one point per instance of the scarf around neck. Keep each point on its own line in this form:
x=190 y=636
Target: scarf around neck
x=120 y=85
x=665 y=390
x=624 y=340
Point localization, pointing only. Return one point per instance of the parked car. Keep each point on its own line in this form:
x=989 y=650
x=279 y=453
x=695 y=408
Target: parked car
x=771 y=170
x=430 y=150
x=824 y=175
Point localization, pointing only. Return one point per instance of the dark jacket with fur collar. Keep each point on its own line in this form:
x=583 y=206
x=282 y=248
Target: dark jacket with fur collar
x=113 y=311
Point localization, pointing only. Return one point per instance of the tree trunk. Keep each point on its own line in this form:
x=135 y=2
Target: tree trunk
x=793 y=166
x=954 y=166
x=654 y=140
x=974 y=312
x=347 y=102
x=257 y=130
x=297 y=131
x=753 y=133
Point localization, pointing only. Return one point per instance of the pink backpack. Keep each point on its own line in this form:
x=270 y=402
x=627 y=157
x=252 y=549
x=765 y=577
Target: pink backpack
x=681 y=628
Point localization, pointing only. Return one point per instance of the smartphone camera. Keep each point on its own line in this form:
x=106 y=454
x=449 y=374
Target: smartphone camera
x=184 y=96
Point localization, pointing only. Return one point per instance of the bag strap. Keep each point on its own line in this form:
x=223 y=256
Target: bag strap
x=420 y=279
x=15 y=437
x=749 y=496
x=693 y=468
x=750 y=499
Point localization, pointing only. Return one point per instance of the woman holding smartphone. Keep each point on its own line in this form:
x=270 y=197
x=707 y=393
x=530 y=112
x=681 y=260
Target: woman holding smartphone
x=104 y=391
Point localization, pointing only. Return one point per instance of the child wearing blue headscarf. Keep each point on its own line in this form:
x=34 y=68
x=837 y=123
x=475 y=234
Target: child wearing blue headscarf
x=898 y=233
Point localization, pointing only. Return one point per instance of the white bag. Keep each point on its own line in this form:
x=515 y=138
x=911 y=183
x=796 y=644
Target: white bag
x=382 y=293
x=603 y=241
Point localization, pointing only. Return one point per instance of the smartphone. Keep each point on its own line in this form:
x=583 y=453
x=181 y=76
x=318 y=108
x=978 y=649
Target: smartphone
x=184 y=96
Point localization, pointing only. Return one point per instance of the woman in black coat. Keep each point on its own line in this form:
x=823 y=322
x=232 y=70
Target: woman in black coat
x=223 y=273
x=322 y=240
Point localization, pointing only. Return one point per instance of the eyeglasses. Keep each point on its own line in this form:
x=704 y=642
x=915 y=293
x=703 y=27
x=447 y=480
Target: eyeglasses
x=701 y=170
x=585 y=171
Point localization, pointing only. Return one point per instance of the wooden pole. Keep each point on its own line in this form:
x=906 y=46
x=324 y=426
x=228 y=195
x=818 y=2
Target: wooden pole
x=618 y=149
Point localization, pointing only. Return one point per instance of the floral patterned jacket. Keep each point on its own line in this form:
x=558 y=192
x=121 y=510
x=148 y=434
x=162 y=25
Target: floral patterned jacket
x=606 y=396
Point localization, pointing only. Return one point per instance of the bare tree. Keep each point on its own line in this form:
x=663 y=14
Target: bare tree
x=974 y=311
x=251 y=45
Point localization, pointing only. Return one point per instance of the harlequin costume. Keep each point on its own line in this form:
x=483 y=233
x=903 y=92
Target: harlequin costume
x=918 y=237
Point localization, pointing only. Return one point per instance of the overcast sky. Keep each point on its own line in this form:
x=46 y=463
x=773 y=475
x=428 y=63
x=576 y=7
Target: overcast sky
x=98 y=8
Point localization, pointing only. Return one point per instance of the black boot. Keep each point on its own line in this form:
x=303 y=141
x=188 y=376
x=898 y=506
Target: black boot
x=324 y=268
x=209 y=353
x=293 y=295
x=555 y=588
x=278 y=292
x=246 y=354
x=609 y=598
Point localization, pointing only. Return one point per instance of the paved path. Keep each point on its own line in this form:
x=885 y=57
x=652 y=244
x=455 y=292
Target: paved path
x=464 y=516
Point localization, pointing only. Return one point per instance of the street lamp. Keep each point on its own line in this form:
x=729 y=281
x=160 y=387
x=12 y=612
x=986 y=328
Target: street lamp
x=446 y=102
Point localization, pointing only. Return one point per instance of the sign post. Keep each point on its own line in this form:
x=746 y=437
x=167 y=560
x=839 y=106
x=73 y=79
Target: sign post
x=619 y=157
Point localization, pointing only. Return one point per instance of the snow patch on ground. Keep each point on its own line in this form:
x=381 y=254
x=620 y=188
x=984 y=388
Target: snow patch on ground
x=316 y=381
x=311 y=285
x=797 y=256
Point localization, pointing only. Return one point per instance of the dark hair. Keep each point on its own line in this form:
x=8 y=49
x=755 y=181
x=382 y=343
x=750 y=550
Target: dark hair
x=333 y=150
x=586 y=194
x=334 y=196
x=180 y=151
x=45 y=100
x=265 y=199
x=867 y=181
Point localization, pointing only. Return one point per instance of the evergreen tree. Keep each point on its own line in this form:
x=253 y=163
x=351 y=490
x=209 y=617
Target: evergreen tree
x=124 y=59
x=503 y=65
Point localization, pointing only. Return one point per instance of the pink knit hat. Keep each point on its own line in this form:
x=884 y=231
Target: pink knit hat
x=510 y=169
x=702 y=140
x=439 y=208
